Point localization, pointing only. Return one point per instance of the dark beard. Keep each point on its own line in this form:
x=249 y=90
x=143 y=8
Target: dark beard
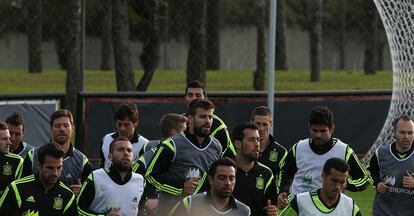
x=119 y=166
x=199 y=132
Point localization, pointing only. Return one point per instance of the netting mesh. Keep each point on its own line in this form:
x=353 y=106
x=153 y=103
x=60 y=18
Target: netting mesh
x=398 y=19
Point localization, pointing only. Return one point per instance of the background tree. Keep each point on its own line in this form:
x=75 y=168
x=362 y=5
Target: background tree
x=34 y=34
x=281 y=60
x=259 y=74
x=213 y=34
x=308 y=16
x=196 y=60
x=124 y=73
x=106 y=37
x=315 y=38
x=150 y=55
x=370 y=37
x=74 y=72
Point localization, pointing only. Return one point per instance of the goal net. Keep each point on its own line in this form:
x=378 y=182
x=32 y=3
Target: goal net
x=398 y=19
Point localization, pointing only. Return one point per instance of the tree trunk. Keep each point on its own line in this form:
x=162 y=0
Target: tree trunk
x=106 y=45
x=281 y=53
x=342 y=36
x=196 y=60
x=34 y=34
x=150 y=56
x=124 y=73
x=258 y=77
x=213 y=34
x=370 y=38
x=315 y=39
x=74 y=73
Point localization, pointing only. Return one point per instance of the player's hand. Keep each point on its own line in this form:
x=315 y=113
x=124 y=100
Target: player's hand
x=151 y=206
x=76 y=187
x=190 y=185
x=271 y=210
x=282 y=201
x=408 y=180
x=382 y=187
x=114 y=212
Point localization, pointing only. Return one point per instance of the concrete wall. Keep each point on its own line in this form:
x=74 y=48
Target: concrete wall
x=237 y=47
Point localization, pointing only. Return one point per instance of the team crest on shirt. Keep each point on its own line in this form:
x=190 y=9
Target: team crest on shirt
x=7 y=169
x=259 y=183
x=307 y=179
x=273 y=156
x=57 y=204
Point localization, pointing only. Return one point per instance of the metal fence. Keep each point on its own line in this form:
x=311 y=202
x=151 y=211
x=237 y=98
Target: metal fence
x=162 y=32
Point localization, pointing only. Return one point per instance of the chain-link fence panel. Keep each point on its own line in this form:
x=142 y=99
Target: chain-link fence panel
x=195 y=35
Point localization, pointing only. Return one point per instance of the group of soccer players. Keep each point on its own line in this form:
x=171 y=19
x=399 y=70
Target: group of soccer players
x=197 y=168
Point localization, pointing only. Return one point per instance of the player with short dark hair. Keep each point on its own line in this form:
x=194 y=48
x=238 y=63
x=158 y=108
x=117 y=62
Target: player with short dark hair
x=196 y=89
x=42 y=193
x=219 y=199
x=255 y=185
x=10 y=164
x=180 y=163
x=329 y=199
x=16 y=127
x=113 y=191
x=126 y=121
x=303 y=164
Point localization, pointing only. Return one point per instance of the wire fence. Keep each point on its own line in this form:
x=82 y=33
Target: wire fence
x=211 y=34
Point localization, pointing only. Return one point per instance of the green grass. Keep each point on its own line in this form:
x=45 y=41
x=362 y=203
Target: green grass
x=13 y=81
x=364 y=200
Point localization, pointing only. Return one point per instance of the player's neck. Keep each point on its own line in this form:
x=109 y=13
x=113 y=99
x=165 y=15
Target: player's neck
x=264 y=144
x=329 y=201
x=219 y=203
x=244 y=164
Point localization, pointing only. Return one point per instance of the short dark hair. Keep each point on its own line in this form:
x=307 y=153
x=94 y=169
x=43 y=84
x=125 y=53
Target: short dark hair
x=196 y=84
x=49 y=149
x=3 y=126
x=127 y=110
x=238 y=130
x=221 y=162
x=337 y=164
x=199 y=103
x=261 y=111
x=59 y=114
x=112 y=145
x=171 y=121
x=15 y=119
x=403 y=117
x=322 y=116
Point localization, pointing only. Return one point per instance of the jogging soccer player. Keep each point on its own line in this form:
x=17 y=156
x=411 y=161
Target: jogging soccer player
x=219 y=200
x=10 y=164
x=126 y=117
x=196 y=89
x=15 y=124
x=180 y=165
x=302 y=166
x=329 y=199
x=271 y=152
x=392 y=169
x=76 y=166
x=42 y=193
x=113 y=191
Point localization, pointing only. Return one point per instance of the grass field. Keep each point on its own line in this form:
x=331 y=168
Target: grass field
x=364 y=200
x=104 y=81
